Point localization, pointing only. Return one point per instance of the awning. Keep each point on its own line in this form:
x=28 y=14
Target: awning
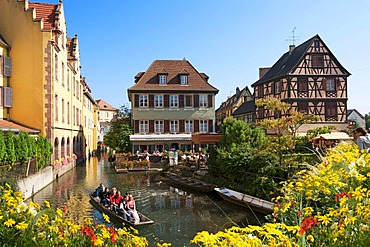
x=334 y=136
x=8 y=126
x=160 y=137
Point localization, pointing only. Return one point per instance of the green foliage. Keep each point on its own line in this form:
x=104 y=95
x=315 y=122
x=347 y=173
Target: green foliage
x=118 y=136
x=3 y=149
x=22 y=147
x=44 y=151
x=319 y=131
x=367 y=121
x=10 y=157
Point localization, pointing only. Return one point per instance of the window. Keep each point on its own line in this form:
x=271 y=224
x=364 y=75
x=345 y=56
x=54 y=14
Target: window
x=174 y=101
x=144 y=127
x=67 y=112
x=277 y=87
x=318 y=61
x=331 y=109
x=303 y=107
x=158 y=128
x=302 y=85
x=68 y=79
x=162 y=79
x=260 y=91
x=143 y=101
x=56 y=107
x=174 y=125
x=1 y=94
x=203 y=126
x=203 y=101
x=62 y=110
x=56 y=67
x=184 y=79
x=188 y=126
x=188 y=101
x=317 y=44
x=158 y=101
x=74 y=115
x=63 y=74
x=330 y=85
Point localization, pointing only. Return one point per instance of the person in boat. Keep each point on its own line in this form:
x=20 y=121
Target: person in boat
x=134 y=216
x=99 y=191
x=112 y=195
x=123 y=209
x=116 y=199
x=105 y=197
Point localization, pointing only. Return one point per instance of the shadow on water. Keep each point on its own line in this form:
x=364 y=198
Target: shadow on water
x=178 y=214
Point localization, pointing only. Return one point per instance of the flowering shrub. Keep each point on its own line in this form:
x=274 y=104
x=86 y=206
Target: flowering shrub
x=23 y=224
x=133 y=164
x=325 y=205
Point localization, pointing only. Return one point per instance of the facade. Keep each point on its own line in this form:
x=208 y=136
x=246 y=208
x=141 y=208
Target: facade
x=106 y=114
x=312 y=80
x=47 y=88
x=228 y=107
x=354 y=116
x=170 y=101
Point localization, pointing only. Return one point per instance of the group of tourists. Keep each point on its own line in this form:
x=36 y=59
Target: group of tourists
x=361 y=138
x=123 y=205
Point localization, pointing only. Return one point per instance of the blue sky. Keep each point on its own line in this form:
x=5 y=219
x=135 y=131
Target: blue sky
x=229 y=40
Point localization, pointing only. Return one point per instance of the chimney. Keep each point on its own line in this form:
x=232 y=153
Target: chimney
x=263 y=71
x=291 y=48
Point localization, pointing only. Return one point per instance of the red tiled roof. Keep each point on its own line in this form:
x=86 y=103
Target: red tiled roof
x=46 y=12
x=104 y=105
x=173 y=68
x=13 y=127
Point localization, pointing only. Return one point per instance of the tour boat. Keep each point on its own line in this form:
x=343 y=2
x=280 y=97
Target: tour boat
x=190 y=183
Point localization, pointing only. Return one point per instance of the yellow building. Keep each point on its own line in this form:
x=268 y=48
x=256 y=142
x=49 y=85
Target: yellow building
x=48 y=92
x=106 y=114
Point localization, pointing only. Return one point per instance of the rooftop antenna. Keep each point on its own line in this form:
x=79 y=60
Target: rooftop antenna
x=293 y=37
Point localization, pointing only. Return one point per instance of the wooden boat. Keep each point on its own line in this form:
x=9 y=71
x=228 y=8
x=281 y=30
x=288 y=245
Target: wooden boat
x=190 y=183
x=125 y=170
x=120 y=170
x=95 y=201
x=245 y=200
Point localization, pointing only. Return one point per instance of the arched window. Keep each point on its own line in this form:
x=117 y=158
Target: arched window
x=56 y=149
x=62 y=148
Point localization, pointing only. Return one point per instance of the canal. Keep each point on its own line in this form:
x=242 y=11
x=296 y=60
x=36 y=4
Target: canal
x=178 y=214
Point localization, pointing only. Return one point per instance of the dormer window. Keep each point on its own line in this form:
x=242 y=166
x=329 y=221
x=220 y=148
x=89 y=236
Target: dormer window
x=162 y=79
x=184 y=79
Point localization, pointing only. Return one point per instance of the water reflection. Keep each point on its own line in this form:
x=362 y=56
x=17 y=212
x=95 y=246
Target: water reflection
x=178 y=214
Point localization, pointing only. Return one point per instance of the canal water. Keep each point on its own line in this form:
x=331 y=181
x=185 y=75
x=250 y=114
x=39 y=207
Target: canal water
x=178 y=214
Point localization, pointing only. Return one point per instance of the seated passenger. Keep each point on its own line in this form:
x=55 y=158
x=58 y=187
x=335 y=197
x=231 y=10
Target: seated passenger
x=99 y=191
x=116 y=199
x=105 y=197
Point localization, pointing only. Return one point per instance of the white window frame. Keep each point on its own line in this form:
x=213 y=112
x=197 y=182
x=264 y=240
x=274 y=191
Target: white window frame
x=188 y=126
x=143 y=101
x=174 y=101
x=184 y=79
x=158 y=101
x=144 y=126
x=158 y=126
x=191 y=101
x=203 y=126
x=330 y=85
x=162 y=79
x=203 y=101
x=174 y=126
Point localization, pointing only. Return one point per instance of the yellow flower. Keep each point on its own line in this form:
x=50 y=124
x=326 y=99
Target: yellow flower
x=324 y=219
x=21 y=226
x=310 y=238
x=9 y=223
x=308 y=211
x=106 y=218
x=98 y=242
x=47 y=204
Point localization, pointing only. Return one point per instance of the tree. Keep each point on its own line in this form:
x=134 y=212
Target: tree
x=284 y=139
x=118 y=136
x=367 y=121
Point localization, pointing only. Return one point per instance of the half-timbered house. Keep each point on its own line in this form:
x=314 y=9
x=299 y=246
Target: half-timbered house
x=169 y=102
x=311 y=79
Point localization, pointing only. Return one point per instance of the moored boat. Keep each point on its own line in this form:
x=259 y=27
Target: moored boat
x=190 y=183
x=95 y=201
x=245 y=200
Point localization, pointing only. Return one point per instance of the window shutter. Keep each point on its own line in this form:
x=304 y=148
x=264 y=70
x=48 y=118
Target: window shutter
x=8 y=97
x=181 y=126
x=136 y=126
x=7 y=66
x=166 y=126
x=166 y=101
x=323 y=85
x=136 y=100
x=151 y=126
x=196 y=126
x=210 y=101
x=151 y=101
x=181 y=101
x=196 y=100
x=210 y=125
